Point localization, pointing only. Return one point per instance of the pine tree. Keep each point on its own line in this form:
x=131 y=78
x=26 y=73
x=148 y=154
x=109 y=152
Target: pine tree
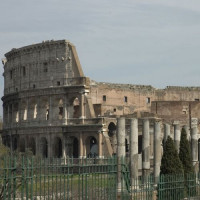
x=185 y=153
x=170 y=163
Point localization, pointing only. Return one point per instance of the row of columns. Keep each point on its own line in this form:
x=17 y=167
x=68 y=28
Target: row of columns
x=146 y=146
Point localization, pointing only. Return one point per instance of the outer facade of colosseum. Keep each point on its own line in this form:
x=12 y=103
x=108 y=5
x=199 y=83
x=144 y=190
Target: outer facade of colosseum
x=50 y=107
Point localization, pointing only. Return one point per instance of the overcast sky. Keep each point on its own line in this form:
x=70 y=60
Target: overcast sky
x=153 y=42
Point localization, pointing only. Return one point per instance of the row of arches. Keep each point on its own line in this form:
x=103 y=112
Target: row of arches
x=71 y=146
x=42 y=109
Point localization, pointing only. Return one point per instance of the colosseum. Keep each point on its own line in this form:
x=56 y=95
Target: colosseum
x=53 y=109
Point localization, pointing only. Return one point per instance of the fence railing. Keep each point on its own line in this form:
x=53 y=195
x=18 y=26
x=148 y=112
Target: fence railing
x=29 y=178
x=88 y=178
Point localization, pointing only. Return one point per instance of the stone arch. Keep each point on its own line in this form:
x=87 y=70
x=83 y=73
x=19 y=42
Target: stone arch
x=74 y=110
x=57 y=107
x=73 y=146
x=91 y=146
x=44 y=109
x=32 y=145
x=15 y=142
x=112 y=136
x=24 y=110
x=7 y=141
x=22 y=147
x=15 y=112
x=33 y=109
x=44 y=147
x=57 y=147
x=60 y=109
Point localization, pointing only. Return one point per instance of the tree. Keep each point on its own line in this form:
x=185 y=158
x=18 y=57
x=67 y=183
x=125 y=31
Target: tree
x=4 y=151
x=171 y=179
x=185 y=153
x=12 y=165
x=170 y=163
x=186 y=159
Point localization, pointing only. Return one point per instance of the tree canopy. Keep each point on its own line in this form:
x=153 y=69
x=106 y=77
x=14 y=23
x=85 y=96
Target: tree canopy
x=185 y=153
x=170 y=163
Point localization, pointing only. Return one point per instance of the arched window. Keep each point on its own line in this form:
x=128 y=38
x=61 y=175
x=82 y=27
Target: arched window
x=91 y=147
x=44 y=147
x=32 y=145
x=57 y=147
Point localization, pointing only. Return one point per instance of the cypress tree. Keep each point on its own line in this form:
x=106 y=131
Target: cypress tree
x=185 y=153
x=170 y=163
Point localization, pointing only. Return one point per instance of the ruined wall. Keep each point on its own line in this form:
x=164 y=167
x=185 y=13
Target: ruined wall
x=175 y=93
x=121 y=99
x=181 y=111
x=48 y=64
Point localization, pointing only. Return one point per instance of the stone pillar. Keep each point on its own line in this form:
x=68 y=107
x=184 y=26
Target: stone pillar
x=82 y=101
x=134 y=151
x=28 y=111
x=50 y=111
x=177 y=135
x=38 y=109
x=166 y=131
x=120 y=150
x=65 y=110
x=81 y=145
x=194 y=142
x=63 y=147
x=157 y=150
x=145 y=148
x=187 y=130
x=8 y=113
x=100 y=145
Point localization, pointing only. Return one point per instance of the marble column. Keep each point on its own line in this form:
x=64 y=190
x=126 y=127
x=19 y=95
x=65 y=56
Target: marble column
x=81 y=145
x=65 y=117
x=177 y=135
x=145 y=148
x=134 y=151
x=187 y=130
x=157 y=150
x=100 y=145
x=166 y=131
x=120 y=150
x=82 y=109
x=194 y=143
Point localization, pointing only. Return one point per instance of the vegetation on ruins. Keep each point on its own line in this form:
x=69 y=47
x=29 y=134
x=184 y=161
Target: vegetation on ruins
x=170 y=163
x=185 y=153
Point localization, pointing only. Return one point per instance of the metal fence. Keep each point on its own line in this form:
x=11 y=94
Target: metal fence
x=30 y=178
x=90 y=178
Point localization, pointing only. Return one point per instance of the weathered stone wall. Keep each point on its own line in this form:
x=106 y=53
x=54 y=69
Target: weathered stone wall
x=175 y=93
x=120 y=99
x=171 y=111
x=48 y=64
x=123 y=99
x=47 y=105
